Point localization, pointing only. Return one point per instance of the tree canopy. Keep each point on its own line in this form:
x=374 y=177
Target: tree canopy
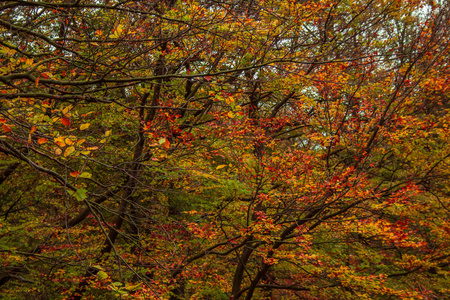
x=224 y=149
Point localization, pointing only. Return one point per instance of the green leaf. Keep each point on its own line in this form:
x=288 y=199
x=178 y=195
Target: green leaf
x=80 y=194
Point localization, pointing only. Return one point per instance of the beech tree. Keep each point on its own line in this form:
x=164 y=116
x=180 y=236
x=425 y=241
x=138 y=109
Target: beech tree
x=224 y=149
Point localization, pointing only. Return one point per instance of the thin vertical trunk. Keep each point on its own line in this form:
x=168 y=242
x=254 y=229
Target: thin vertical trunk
x=239 y=273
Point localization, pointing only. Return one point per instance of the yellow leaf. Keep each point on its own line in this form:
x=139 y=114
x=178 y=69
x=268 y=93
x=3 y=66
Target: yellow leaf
x=79 y=142
x=58 y=151
x=85 y=175
x=85 y=152
x=117 y=32
x=220 y=167
x=66 y=109
x=69 y=151
x=230 y=114
x=108 y=133
x=85 y=126
x=119 y=29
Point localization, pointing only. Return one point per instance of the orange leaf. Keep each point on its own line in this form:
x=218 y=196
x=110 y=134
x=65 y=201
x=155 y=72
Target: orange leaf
x=65 y=121
x=167 y=144
x=6 y=128
x=75 y=174
x=68 y=141
x=37 y=81
x=33 y=129
x=42 y=141
x=60 y=141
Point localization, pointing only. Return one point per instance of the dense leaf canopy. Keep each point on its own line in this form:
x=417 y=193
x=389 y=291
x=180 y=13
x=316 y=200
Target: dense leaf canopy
x=225 y=149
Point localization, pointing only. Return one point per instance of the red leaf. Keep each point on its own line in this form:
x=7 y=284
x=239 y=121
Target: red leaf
x=65 y=121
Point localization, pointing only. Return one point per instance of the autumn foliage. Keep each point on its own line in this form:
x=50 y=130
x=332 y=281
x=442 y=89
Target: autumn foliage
x=224 y=149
